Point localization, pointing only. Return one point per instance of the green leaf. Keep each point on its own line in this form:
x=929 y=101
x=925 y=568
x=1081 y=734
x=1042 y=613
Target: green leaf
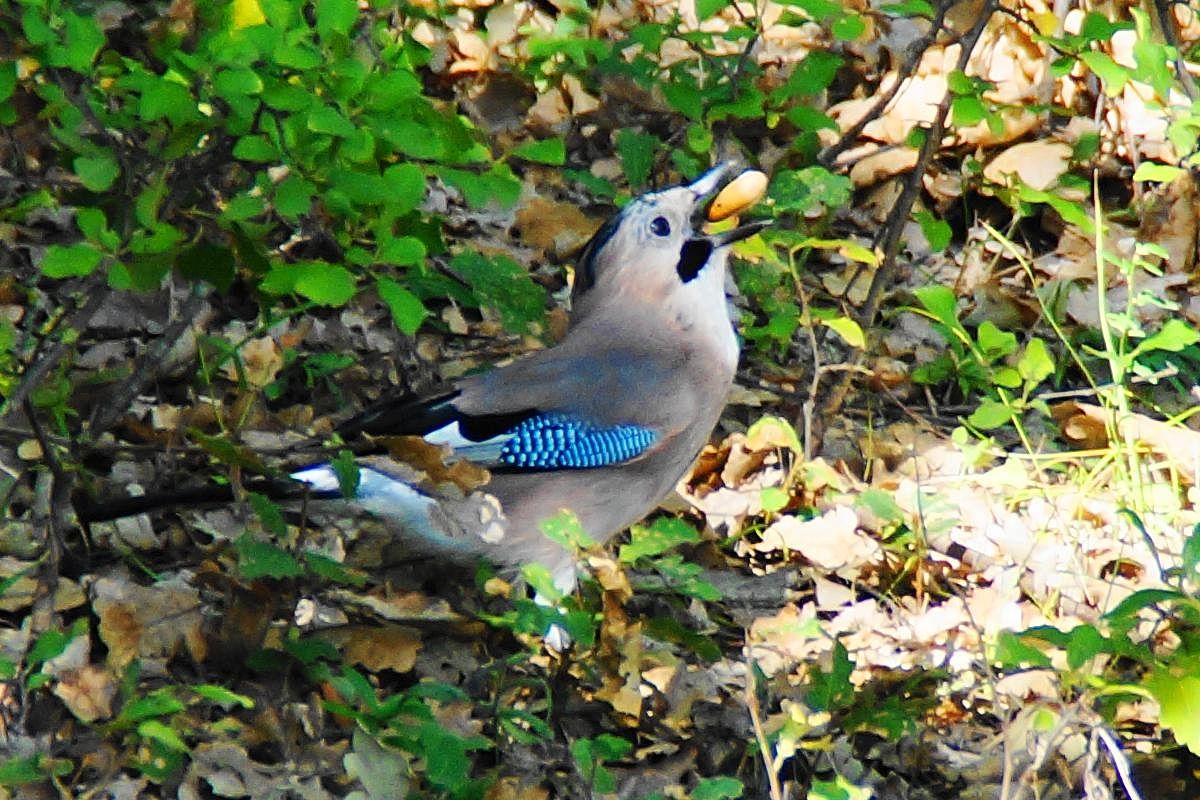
x=1178 y=697
x=402 y=251
x=8 y=78
x=163 y=734
x=1163 y=173
x=706 y=8
x=207 y=262
x=446 y=763
x=805 y=190
x=498 y=183
x=94 y=226
x=723 y=788
x=83 y=40
x=941 y=303
x=234 y=83
x=159 y=703
x=97 y=172
x=504 y=285
x=328 y=120
x=1035 y=364
x=848 y=27
x=1174 y=336
x=747 y=105
x=850 y=331
x=327 y=569
x=255 y=148
x=166 y=99
x=773 y=498
x=50 y=644
x=269 y=513
x=407 y=310
x=1011 y=653
x=32 y=769
x=361 y=188
x=564 y=529
x=608 y=747
x=994 y=342
x=226 y=451
x=327 y=284
x=245 y=14
x=937 y=231
x=637 y=152
x=345 y=467
x=833 y=689
x=547 y=151
x=1142 y=598
x=222 y=696
x=991 y=414
x=882 y=504
x=385 y=92
x=70 y=261
x=684 y=579
x=293 y=196
x=405 y=186
x=1085 y=644
x=336 y=17
x=1110 y=72
x=684 y=98
x=665 y=533
x=258 y=559
x=967 y=110
x=1191 y=555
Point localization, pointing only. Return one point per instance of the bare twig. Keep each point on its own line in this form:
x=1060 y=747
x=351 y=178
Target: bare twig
x=888 y=242
x=145 y=370
x=760 y=734
x=912 y=57
x=42 y=364
x=1120 y=762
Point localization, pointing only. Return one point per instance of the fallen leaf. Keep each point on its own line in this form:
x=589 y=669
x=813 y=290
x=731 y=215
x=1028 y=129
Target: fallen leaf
x=376 y=647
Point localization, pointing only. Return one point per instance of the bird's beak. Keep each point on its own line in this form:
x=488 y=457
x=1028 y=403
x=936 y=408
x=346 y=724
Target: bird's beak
x=705 y=187
x=707 y=184
x=732 y=235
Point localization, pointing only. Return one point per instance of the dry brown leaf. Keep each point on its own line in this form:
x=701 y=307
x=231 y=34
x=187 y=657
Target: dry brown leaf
x=1171 y=219
x=376 y=647
x=148 y=622
x=1178 y=444
x=21 y=592
x=554 y=227
x=261 y=358
x=1038 y=164
x=879 y=166
x=791 y=636
x=831 y=541
x=548 y=114
x=87 y=692
x=409 y=607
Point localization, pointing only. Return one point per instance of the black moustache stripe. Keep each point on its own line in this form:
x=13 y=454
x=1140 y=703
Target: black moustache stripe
x=692 y=257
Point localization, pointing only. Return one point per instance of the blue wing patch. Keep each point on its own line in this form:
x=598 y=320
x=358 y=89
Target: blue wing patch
x=557 y=441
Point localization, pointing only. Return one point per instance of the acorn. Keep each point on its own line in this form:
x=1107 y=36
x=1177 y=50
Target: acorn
x=742 y=192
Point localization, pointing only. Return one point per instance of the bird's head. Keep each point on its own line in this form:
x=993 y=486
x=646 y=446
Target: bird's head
x=655 y=249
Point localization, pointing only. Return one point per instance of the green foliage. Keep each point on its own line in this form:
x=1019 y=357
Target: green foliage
x=317 y=115
x=590 y=757
x=406 y=722
x=1098 y=656
x=32 y=769
x=989 y=362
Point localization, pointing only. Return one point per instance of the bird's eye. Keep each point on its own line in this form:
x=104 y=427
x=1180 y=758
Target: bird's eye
x=660 y=226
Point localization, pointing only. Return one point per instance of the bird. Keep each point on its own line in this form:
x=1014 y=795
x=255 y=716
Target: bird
x=602 y=424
